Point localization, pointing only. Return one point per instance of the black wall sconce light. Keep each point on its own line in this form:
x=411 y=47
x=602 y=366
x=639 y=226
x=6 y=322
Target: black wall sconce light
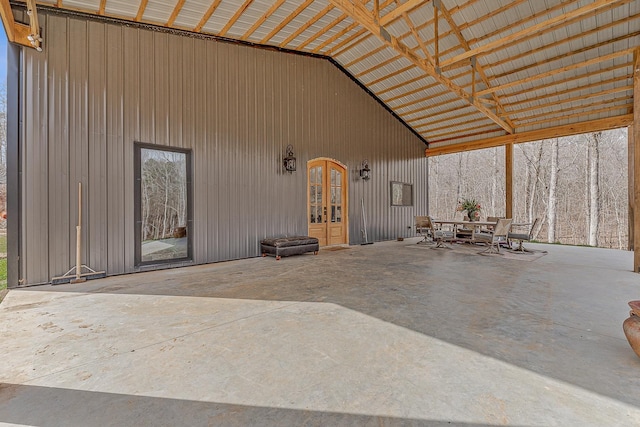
x=289 y=161
x=365 y=172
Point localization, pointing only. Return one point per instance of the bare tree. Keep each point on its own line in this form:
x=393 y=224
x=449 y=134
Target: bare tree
x=544 y=183
x=553 y=184
x=594 y=187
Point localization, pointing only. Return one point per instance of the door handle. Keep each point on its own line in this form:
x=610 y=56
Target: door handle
x=325 y=214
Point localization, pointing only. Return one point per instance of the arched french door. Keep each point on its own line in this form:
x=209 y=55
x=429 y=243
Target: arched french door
x=327 y=201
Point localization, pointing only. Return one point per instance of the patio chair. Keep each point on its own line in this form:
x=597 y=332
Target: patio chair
x=492 y=219
x=521 y=237
x=462 y=231
x=440 y=236
x=423 y=229
x=495 y=236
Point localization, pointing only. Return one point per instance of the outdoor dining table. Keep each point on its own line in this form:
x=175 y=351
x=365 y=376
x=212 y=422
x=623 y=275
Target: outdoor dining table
x=474 y=226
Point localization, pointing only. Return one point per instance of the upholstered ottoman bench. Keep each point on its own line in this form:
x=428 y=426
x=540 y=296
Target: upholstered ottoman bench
x=285 y=246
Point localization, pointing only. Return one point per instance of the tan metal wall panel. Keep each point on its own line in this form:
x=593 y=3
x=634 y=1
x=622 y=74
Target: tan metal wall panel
x=116 y=188
x=78 y=129
x=59 y=237
x=160 y=68
x=95 y=188
x=145 y=78
x=35 y=222
x=177 y=103
x=235 y=107
x=131 y=132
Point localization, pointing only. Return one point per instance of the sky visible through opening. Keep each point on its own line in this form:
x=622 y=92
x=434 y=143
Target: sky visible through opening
x=3 y=58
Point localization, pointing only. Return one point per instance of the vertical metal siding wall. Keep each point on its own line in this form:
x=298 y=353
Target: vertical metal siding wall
x=98 y=87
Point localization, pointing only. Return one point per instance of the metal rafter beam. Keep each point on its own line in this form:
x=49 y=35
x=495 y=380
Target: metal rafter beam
x=364 y=17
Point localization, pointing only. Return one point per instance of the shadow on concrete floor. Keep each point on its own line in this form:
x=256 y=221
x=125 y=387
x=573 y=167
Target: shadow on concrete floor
x=559 y=317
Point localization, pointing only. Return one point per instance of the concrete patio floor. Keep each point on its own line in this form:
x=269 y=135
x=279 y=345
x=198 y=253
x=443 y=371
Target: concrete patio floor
x=385 y=334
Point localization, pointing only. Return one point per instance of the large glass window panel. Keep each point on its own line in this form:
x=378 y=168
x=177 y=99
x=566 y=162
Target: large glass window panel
x=162 y=208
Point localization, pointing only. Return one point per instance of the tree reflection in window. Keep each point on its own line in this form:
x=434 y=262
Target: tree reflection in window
x=163 y=205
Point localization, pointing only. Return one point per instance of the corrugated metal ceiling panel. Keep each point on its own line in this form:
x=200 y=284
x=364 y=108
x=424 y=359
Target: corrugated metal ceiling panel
x=88 y=5
x=191 y=13
x=305 y=16
x=223 y=13
x=248 y=18
x=272 y=22
x=315 y=28
x=122 y=8
x=158 y=11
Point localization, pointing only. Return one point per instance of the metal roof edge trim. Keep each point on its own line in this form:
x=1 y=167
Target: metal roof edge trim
x=159 y=28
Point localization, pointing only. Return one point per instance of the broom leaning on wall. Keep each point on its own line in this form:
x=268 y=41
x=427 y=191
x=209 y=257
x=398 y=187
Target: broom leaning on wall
x=75 y=274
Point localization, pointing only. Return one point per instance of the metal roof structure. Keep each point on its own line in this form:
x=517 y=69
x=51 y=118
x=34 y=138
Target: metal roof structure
x=460 y=73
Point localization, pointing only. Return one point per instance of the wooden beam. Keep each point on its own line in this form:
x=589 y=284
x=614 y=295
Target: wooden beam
x=554 y=118
x=378 y=66
x=16 y=32
x=7 y=20
x=335 y=37
x=431 y=128
x=322 y=31
x=33 y=37
x=175 y=13
x=436 y=38
x=235 y=17
x=550 y=110
x=429 y=108
x=539 y=77
x=425 y=25
x=353 y=39
x=534 y=29
x=535 y=135
x=262 y=19
x=568 y=54
x=636 y=160
x=474 y=131
x=399 y=85
x=572 y=77
x=361 y=15
x=207 y=15
x=423 y=88
x=398 y=11
x=306 y=25
x=476 y=65
x=575 y=89
x=631 y=191
x=499 y=30
x=508 y=184
x=376 y=11
x=103 y=6
x=416 y=35
x=286 y=21
x=439 y=112
x=390 y=75
x=141 y=9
